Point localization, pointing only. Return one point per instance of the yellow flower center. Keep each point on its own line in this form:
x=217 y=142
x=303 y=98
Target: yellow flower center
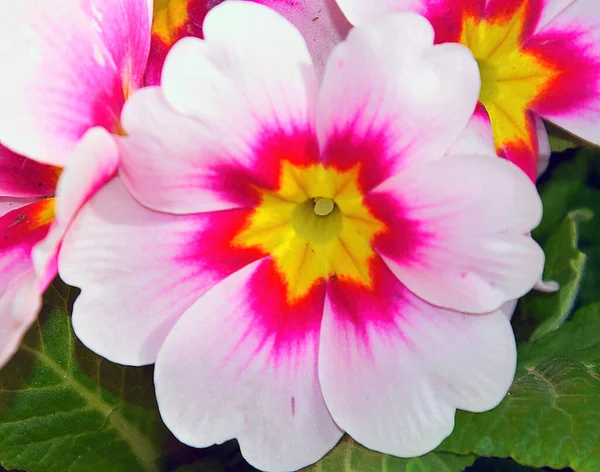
x=315 y=226
x=511 y=77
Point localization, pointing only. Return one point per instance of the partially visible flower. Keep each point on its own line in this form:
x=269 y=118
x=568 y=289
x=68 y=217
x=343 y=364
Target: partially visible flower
x=306 y=245
x=537 y=59
x=35 y=211
x=173 y=20
x=321 y=22
x=66 y=69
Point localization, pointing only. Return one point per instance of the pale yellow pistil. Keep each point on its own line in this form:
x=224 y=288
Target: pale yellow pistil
x=323 y=206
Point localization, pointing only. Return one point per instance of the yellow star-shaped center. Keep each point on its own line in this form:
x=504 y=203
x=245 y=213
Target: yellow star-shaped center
x=315 y=226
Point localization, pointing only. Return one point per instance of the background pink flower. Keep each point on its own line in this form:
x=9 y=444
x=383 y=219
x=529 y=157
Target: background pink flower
x=537 y=59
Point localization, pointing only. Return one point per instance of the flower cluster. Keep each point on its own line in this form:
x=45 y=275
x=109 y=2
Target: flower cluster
x=304 y=225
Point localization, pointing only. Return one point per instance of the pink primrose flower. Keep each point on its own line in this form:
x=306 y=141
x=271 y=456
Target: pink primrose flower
x=537 y=59
x=303 y=259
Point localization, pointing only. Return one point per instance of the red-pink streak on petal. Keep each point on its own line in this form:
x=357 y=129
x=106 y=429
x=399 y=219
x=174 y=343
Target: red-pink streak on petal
x=370 y=311
x=282 y=328
x=211 y=247
x=156 y=60
x=106 y=106
x=446 y=17
x=505 y=9
x=12 y=203
x=578 y=80
x=159 y=48
x=524 y=154
x=402 y=237
x=22 y=177
x=23 y=226
x=238 y=184
x=346 y=148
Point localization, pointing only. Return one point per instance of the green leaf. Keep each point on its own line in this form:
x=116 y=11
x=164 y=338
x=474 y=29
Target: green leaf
x=551 y=415
x=561 y=140
x=64 y=408
x=589 y=292
x=567 y=189
x=565 y=182
x=540 y=313
x=349 y=456
x=561 y=144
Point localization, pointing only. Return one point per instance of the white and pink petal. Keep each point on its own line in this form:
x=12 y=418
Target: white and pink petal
x=139 y=270
x=394 y=368
x=321 y=23
x=183 y=164
x=240 y=74
x=94 y=162
x=241 y=363
x=20 y=288
x=458 y=231
x=390 y=99
x=569 y=43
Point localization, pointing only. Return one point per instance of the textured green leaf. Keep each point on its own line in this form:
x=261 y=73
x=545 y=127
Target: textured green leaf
x=541 y=313
x=551 y=416
x=62 y=408
x=348 y=456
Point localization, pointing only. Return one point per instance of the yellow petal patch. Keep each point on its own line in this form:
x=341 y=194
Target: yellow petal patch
x=511 y=77
x=308 y=243
x=169 y=16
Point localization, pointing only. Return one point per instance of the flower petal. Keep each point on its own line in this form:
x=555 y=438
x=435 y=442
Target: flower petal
x=22 y=177
x=94 y=162
x=207 y=168
x=20 y=302
x=393 y=368
x=321 y=23
x=244 y=94
x=508 y=309
x=390 y=99
x=173 y=20
x=477 y=139
x=446 y=16
x=139 y=270
x=239 y=76
x=570 y=42
x=12 y=203
x=543 y=145
x=458 y=232
x=20 y=289
x=67 y=67
x=242 y=364
x=358 y=11
x=550 y=9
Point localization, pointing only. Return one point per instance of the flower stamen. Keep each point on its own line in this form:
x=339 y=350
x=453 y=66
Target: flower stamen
x=323 y=206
